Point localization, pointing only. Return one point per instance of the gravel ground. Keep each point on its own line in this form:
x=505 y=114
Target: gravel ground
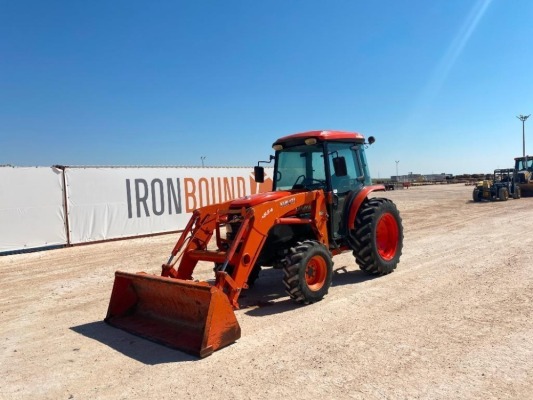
x=454 y=321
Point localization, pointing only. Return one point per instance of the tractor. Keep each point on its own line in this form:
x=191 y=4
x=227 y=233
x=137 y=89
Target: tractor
x=524 y=168
x=322 y=204
x=502 y=185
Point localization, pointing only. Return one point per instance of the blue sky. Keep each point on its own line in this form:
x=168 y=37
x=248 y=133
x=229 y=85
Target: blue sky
x=438 y=83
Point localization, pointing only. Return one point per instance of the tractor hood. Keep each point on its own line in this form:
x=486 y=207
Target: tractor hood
x=255 y=199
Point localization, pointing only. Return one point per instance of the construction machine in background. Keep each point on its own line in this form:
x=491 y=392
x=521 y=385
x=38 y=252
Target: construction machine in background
x=502 y=186
x=524 y=168
x=322 y=204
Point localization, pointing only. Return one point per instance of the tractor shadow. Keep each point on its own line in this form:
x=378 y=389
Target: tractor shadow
x=137 y=348
x=268 y=296
x=344 y=276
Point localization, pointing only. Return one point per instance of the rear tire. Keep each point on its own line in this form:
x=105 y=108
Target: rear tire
x=308 y=271
x=517 y=194
x=378 y=236
x=503 y=195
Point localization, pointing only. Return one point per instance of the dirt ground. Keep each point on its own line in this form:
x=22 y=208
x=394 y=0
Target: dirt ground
x=454 y=321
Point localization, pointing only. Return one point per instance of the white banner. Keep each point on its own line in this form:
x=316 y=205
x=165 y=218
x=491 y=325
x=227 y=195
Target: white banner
x=31 y=208
x=115 y=202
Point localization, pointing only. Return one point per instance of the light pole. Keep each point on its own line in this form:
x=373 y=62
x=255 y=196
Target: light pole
x=523 y=119
x=203 y=158
x=397 y=176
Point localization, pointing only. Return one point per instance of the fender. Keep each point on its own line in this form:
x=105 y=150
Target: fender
x=359 y=198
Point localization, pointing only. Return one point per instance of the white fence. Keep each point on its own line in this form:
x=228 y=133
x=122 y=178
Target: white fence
x=32 y=212
x=46 y=207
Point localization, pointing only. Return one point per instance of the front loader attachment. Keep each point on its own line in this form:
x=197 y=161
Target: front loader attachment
x=194 y=317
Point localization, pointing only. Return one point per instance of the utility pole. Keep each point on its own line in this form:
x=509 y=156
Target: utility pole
x=523 y=119
x=203 y=158
x=397 y=176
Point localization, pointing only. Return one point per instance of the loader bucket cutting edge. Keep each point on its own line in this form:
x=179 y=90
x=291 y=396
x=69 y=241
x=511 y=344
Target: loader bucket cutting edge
x=190 y=316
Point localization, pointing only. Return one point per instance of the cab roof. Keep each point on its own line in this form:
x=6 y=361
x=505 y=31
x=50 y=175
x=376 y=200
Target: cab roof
x=322 y=136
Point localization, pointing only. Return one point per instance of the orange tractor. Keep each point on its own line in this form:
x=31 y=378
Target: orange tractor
x=319 y=207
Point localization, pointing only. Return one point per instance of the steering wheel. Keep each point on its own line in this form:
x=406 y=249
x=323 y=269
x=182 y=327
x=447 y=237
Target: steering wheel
x=316 y=183
x=299 y=184
x=308 y=183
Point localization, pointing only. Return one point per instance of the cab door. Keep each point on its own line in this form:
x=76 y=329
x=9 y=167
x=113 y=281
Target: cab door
x=344 y=184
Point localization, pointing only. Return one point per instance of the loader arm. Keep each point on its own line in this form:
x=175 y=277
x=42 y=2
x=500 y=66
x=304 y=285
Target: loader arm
x=248 y=241
x=258 y=222
x=203 y=223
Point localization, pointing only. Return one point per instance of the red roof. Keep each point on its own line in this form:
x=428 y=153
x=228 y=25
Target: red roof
x=324 y=135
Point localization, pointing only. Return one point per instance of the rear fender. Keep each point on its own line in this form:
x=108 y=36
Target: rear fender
x=358 y=200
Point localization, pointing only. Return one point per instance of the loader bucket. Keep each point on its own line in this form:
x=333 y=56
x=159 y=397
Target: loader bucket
x=190 y=316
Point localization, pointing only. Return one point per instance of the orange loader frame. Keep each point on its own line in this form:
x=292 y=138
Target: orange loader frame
x=258 y=220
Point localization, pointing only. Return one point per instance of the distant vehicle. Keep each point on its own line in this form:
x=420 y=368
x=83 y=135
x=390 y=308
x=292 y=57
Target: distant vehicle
x=396 y=185
x=524 y=168
x=502 y=185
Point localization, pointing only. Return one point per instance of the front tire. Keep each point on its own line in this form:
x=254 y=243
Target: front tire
x=475 y=195
x=308 y=271
x=378 y=236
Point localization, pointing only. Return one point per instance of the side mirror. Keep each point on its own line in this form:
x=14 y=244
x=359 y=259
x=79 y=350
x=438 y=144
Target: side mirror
x=259 y=174
x=371 y=139
x=339 y=166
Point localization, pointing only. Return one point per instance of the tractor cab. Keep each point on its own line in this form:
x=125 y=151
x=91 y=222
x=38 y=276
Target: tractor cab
x=524 y=163
x=332 y=161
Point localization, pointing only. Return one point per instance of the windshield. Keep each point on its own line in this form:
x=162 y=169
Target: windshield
x=301 y=167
